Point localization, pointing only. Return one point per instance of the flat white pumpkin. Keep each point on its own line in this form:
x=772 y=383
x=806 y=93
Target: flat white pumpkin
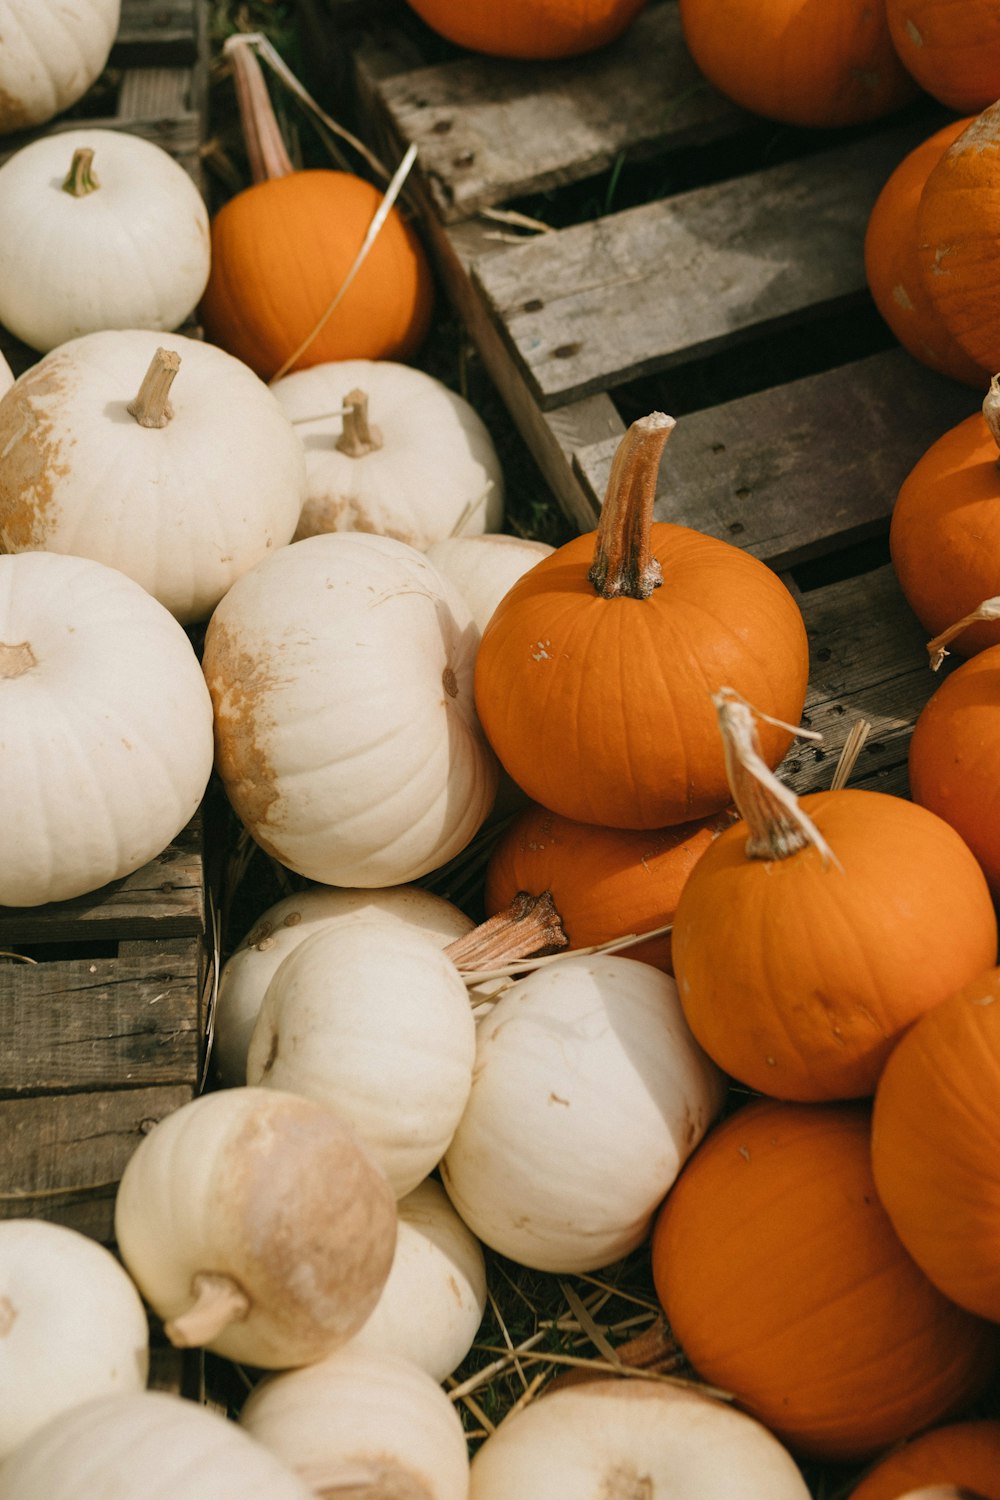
x=98 y=229
x=105 y=727
x=341 y=673
x=52 y=51
x=484 y=568
x=169 y=460
x=391 y=450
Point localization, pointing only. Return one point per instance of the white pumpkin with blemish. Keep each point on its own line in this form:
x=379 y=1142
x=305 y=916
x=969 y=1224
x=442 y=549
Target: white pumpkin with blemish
x=484 y=568
x=390 y=449
x=589 y=1093
x=168 y=459
x=105 y=727
x=72 y=1326
x=53 y=50
x=372 y=1018
x=256 y=1224
x=346 y=733
x=98 y=229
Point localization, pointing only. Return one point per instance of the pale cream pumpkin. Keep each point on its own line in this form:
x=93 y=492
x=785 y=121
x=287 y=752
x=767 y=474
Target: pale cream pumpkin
x=483 y=568
x=53 y=50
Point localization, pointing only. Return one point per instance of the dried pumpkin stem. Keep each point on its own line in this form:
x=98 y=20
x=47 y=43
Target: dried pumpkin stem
x=267 y=154
x=358 y=437
x=623 y=564
x=81 y=178
x=218 y=1301
x=991 y=410
x=151 y=407
x=528 y=926
x=937 y=648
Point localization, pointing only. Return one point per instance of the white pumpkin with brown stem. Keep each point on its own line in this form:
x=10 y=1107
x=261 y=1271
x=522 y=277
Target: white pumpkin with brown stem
x=53 y=50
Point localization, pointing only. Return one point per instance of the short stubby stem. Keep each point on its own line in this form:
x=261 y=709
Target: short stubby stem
x=218 y=1301
x=623 y=565
x=81 y=178
x=359 y=437
x=151 y=407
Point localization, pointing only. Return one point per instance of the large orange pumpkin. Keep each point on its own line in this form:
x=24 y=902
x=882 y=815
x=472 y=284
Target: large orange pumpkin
x=826 y=64
x=893 y=271
x=529 y=28
x=813 y=932
x=963 y=1453
x=786 y=1285
x=594 y=682
x=936 y=1144
x=951 y=47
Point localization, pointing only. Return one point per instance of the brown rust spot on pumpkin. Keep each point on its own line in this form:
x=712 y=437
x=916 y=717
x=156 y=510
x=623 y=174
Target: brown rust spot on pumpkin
x=379 y=1477
x=17 y=659
x=239 y=684
x=449 y=682
x=8 y=1316
x=31 y=462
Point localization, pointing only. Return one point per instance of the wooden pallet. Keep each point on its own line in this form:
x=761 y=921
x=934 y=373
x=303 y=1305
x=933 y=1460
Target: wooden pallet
x=729 y=289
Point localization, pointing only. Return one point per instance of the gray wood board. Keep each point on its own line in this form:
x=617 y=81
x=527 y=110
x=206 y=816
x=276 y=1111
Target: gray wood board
x=585 y=308
x=159 y=31
x=489 y=129
x=102 y=1023
x=804 y=468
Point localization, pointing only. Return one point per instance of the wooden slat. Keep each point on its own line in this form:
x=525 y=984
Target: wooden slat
x=593 y=305
x=804 y=468
x=162 y=31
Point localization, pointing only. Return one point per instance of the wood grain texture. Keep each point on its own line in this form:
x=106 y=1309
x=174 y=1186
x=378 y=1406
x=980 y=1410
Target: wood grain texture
x=164 y=31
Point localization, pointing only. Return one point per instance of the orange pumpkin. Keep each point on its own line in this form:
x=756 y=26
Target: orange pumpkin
x=951 y=47
x=958 y=226
x=812 y=933
x=797 y=61
x=282 y=249
x=786 y=1285
x=605 y=882
x=594 y=683
x=529 y=28
x=893 y=270
x=965 y=1453
x=936 y=1144
x=944 y=536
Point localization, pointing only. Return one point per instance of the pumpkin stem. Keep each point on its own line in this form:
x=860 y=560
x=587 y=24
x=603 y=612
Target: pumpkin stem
x=623 y=564
x=936 y=649
x=218 y=1301
x=848 y=757
x=151 y=407
x=529 y=926
x=991 y=410
x=81 y=178
x=776 y=825
x=267 y=154
x=358 y=437
x=16 y=660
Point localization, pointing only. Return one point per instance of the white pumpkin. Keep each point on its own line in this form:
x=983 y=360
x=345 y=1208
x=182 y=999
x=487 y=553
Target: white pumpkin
x=106 y=744
x=6 y=376
x=146 y=1446
x=434 y=1301
x=391 y=450
x=249 y=970
x=589 y=1093
x=372 y=1018
x=484 y=568
x=72 y=1326
x=256 y=1224
x=172 y=462
x=635 y=1439
x=346 y=733
x=363 y=1424
x=98 y=229
x=52 y=51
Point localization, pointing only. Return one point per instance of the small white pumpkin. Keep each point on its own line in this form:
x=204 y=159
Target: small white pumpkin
x=589 y=1093
x=106 y=748
x=392 y=450
x=346 y=733
x=146 y=1446
x=249 y=970
x=364 y=1424
x=72 y=1326
x=632 y=1438
x=98 y=229
x=172 y=462
x=256 y=1224
x=52 y=51
x=372 y=1018
x=6 y=376
x=484 y=568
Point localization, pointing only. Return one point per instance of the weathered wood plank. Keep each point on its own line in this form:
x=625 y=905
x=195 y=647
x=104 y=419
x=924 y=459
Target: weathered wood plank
x=162 y=31
x=803 y=468
x=590 y=306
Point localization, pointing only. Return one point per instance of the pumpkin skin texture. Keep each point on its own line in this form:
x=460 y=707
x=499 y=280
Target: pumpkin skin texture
x=936 y=1144
x=280 y=252
x=529 y=28
x=792 y=60
x=892 y=268
x=951 y=47
x=52 y=52
x=786 y=1285
x=797 y=976
x=962 y=1453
